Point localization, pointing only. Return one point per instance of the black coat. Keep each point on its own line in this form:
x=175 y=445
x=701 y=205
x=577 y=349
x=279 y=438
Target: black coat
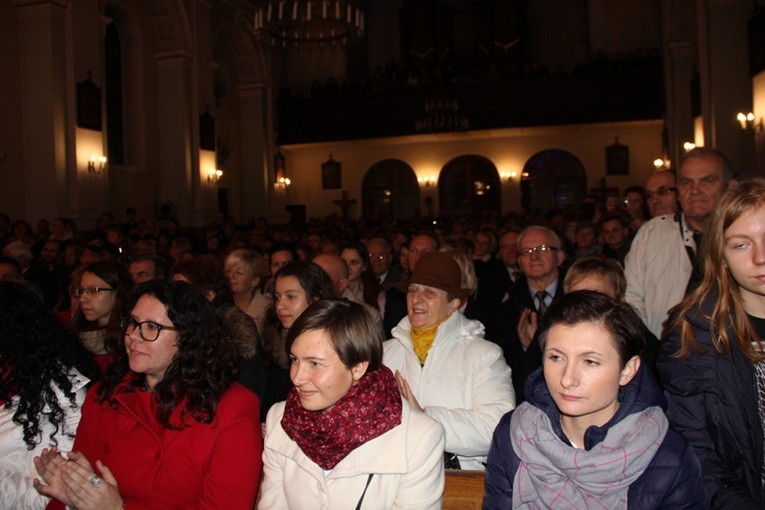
x=503 y=331
x=672 y=479
x=713 y=403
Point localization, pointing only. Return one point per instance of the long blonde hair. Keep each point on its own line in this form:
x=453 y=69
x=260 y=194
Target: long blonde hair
x=728 y=316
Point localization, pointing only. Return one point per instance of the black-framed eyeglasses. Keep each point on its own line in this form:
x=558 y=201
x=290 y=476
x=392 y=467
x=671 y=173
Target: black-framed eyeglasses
x=661 y=191
x=91 y=291
x=148 y=330
x=541 y=249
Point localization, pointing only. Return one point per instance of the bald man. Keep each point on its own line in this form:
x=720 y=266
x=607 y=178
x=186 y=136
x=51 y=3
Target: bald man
x=337 y=270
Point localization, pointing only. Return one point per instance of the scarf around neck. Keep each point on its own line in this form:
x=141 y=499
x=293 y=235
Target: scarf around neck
x=551 y=475
x=422 y=341
x=367 y=411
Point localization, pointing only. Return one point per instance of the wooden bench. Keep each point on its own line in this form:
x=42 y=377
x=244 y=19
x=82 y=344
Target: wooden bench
x=463 y=489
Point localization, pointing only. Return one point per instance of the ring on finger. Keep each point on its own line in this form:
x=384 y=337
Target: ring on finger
x=95 y=480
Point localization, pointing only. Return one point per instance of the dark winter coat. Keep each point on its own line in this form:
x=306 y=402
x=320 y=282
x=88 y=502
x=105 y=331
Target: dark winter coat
x=672 y=480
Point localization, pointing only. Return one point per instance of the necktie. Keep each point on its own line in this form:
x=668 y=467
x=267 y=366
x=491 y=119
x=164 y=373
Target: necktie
x=540 y=296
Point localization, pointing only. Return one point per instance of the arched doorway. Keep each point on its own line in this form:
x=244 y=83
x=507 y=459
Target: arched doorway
x=470 y=186
x=390 y=189
x=553 y=178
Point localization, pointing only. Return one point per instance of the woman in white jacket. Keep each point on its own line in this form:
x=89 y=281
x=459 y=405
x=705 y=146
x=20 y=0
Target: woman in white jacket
x=43 y=371
x=445 y=367
x=345 y=438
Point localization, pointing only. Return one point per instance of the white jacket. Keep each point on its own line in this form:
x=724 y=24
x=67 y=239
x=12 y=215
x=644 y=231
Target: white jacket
x=16 y=468
x=465 y=384
x=407 y=462
x=658 y=268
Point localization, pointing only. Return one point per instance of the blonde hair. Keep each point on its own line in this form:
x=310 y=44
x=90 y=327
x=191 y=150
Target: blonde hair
x=252 y=259
x=469 y=280
x=606 y=268
x=728 y=312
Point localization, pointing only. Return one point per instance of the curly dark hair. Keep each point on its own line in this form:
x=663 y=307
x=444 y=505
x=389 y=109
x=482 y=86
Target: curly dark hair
x=201 y=371
x=37 y=353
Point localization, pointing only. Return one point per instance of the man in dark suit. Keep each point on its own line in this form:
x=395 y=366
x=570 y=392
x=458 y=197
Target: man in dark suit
x=514 y=325
x=497 y=279
x=380 y=258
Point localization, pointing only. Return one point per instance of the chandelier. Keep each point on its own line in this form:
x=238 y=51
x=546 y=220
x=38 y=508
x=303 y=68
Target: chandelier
x=308 y=23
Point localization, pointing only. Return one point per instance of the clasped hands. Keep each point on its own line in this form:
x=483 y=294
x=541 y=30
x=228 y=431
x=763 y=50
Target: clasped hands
x=73 y=481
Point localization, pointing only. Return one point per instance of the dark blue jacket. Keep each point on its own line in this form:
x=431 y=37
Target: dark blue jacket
x=672 y=480
x=713 y=403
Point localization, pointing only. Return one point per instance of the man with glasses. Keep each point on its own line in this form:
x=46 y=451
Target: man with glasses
x=380 y=258
x=661 y=193
x=662 y=263
x=514 y=326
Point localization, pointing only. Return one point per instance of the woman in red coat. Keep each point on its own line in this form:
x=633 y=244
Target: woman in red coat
x=167 y=427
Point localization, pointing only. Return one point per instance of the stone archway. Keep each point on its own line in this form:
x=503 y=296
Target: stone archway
x=390 y=189
x=553 y=178
x=469 y=186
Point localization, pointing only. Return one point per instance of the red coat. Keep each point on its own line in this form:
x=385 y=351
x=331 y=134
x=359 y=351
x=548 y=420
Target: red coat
x=204 y=466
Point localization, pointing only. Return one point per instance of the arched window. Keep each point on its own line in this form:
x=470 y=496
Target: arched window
x=123 y=76
x=553 y=178
x=113 y=73
x=470 y=186
x=390 y=187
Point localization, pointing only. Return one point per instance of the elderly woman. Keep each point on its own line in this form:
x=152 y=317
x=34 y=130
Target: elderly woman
x=167 y=427
x=45 y=371
x=246 y=271
x=443 y=365
x=592 y=433
x=345 y=438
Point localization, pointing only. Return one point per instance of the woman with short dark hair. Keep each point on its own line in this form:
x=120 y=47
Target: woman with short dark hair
x=592 y=432
x=345 y=438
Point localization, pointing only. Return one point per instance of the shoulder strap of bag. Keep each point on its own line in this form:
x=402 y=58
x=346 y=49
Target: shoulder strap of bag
x=361 y=500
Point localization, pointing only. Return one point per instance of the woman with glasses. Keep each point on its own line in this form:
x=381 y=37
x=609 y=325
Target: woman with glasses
x=167 y=427
x=104 y=286
x=45 y=371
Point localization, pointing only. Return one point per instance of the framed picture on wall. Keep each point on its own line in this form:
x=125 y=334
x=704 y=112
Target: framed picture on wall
x=617 y=159
x=331 y=174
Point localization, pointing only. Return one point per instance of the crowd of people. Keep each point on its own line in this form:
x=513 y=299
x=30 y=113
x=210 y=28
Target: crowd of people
x=610 y=357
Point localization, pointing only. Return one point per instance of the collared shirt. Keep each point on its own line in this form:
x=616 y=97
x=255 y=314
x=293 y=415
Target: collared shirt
x=550 y=292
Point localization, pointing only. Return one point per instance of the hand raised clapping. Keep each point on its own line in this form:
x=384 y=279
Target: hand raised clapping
x=74 y=482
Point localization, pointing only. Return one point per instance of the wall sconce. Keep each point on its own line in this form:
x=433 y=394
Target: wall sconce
x=746 y=121
x=661 y=164
x=689 y=146
x=97 y=165
x=283 y=183
x=214 y=175
x=508 y=176
x=426 y=181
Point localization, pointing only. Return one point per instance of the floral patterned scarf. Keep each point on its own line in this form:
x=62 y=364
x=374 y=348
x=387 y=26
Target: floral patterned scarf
x=368 y=410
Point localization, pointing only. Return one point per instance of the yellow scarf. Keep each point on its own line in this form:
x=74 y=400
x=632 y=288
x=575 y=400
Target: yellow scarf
x=422 y=340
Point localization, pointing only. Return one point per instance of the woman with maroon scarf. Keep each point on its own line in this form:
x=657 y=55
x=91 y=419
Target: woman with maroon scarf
x=345 y=438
